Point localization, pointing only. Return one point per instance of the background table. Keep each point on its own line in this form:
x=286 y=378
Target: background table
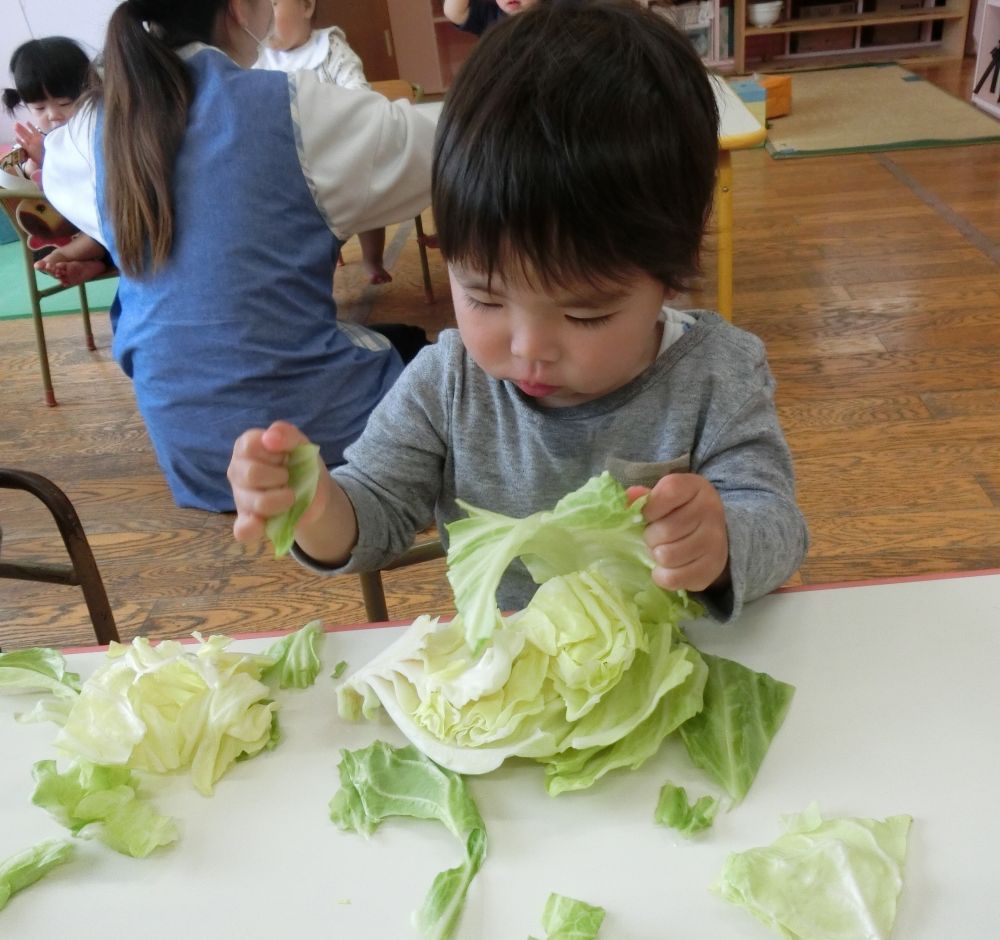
x=896 y=711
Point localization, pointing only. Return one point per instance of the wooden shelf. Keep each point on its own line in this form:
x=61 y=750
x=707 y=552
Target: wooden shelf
x=945 y=44
x=929 y=15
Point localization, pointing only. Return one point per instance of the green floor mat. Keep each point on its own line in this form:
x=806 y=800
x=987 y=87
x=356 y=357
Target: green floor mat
x=15 y=301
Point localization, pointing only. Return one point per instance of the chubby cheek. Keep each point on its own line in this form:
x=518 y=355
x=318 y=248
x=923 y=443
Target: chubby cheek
x=486 y=342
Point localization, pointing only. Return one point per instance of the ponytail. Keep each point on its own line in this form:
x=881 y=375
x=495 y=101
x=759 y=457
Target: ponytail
x=11 y=99
x=146 y=93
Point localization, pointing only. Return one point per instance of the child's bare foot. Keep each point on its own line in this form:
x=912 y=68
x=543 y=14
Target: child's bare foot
x=376 y=273
x=72 y=273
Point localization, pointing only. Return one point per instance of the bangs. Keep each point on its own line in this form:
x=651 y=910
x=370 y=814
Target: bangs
x=49 y=68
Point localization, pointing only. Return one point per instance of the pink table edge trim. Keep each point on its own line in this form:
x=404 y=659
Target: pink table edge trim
x=796 y=589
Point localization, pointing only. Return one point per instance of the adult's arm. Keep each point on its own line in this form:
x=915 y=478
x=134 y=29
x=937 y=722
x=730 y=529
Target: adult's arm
x=366 y=159
x=69 y=178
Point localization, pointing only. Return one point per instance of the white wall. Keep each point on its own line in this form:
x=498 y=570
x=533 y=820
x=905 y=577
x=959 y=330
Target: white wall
x=21 y=20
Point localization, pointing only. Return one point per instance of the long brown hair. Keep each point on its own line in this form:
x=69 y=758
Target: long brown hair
x=146 y=93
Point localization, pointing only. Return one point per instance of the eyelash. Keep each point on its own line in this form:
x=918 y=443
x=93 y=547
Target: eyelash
x=591 y=322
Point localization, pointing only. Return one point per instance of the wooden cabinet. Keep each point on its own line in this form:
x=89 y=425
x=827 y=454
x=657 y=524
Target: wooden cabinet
x=429 y=47
x=812 y=35
x=988 y=60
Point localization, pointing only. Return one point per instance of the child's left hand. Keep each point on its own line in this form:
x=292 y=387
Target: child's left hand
x=31 y=140
x=685 y=532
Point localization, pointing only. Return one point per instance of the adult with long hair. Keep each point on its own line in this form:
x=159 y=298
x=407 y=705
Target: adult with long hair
x=219 y=191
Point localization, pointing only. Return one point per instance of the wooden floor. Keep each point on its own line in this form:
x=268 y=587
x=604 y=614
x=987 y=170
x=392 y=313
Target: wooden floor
x=873 y=278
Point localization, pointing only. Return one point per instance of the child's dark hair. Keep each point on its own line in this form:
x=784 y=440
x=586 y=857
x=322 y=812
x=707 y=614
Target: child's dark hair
x=53 y=67
x=579 y=141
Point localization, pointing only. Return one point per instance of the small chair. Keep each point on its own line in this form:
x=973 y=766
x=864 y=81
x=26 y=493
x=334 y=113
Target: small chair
x=372 y=589
x=396 y=89
x=82 y=572
x=9 y=200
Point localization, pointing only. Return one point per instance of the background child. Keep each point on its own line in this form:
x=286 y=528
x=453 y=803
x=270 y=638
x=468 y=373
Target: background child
x=562 y=247
x=474 y=16
x=295 y=45
x=49 y=76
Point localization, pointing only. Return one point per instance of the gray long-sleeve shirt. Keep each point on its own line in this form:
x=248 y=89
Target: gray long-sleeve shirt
x=446 y=429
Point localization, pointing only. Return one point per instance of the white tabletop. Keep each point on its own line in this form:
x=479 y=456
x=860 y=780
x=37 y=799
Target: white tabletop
x=896 y=711
x=738 y=128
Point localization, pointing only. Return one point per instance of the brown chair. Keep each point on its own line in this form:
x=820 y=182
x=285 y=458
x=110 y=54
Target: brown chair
x=9 y=199
x=82 y=572
x=372 y=589
x=396 y=89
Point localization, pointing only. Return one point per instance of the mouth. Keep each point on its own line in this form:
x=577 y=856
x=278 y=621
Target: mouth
x=537 y=389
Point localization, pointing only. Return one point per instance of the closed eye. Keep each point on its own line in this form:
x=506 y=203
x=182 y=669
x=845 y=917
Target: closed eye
x=476 y=304
x=591 y=321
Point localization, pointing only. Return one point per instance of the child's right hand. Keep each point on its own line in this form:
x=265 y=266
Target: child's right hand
x=258 y=475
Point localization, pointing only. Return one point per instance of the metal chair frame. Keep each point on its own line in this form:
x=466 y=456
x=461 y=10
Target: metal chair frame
x=82 y=572
x=372 y=589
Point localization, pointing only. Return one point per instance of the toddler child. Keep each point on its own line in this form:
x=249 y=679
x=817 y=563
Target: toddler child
x=49 y=77
x=474 y=16
x=573 y=175
x=293 y=46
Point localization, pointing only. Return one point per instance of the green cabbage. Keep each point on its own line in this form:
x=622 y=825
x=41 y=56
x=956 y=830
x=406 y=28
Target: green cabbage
x=296 y=662
x=568 y=919
x=105 y=802
x=380 y=781
x=303 y=478
x=592 y=524
x=24 y=869
x=731 y=735
x=168 y=707
x=589 y=677
x=39 y=669
x=838 y=879
x=676 y=811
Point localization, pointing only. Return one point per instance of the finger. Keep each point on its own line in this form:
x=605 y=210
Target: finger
x=670 y=493
x=248 y=528
x=281 y=437
x=249 y=446
x=634 y=492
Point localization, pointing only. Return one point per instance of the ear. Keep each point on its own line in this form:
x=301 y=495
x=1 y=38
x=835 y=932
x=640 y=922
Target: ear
x=309 y=8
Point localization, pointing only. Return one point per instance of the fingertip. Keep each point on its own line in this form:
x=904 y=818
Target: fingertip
x=634 y=492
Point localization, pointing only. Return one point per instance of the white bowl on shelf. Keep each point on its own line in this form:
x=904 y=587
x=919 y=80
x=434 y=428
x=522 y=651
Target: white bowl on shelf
x=765 y=14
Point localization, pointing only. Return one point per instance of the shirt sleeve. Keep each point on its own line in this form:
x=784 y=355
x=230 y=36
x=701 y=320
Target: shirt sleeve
x=342 y=65
x=366 y=159
x=394 y=471
x=749 y=463
x=69 y=176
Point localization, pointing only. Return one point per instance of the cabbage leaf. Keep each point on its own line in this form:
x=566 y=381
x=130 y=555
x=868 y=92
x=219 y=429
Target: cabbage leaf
x=303 y=478
x=380 y=781
x=591 y=524
x=742 y=713
x=296 y=661
x=25 y=868
x=568 y=919
x=38 y=669
x=675 y=810
x=838 y=878
x=91 y=800
x=169 y=707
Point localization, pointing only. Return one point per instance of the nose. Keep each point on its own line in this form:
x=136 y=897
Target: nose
x=532 y=340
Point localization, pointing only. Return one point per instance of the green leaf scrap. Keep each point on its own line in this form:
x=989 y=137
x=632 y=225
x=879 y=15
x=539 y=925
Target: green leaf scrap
x=303 y=478
x=296 y=661
x=380 y=781
x=674 y=810
x=568 y=919
x=24 y=869
x=742 y=713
